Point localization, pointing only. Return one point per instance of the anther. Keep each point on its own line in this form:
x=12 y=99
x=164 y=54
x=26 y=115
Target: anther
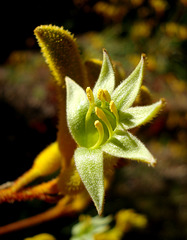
x=100 y=130
x=106 y=95
x=90 y=95
x=100 y=95
x=114 y=110
x=103 y=95
x=103 y=117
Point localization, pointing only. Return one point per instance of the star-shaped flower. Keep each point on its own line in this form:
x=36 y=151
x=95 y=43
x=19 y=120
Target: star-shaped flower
x=100 y=120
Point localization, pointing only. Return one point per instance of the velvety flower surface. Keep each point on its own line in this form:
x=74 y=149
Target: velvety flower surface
x=99 y=121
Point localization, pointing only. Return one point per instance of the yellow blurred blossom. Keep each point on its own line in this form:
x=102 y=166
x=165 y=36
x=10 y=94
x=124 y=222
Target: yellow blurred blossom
x=173 y=29
x=141 y=30
x=158 y=5
x=177 y=86
x=133 y=59
x=98 y=228
x=110 y=11
x=151 y=62
x=126 y=219
x=182 y=32
x=42 y=236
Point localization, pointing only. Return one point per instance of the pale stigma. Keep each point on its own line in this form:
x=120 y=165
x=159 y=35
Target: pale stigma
x=107 y=96
x=100 y=130
x=103 y=117
x=114 y=110
x=90 y=97
x=103 y=96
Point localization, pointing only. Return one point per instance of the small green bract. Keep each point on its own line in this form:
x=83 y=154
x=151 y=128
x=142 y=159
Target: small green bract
x=99 y=121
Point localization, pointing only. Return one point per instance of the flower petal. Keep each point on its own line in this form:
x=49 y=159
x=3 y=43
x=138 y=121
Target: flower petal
x=124 y=145
x=125 y=94
x=106 y=78
x=77 y=107
x=89 y=164
x=136 y=116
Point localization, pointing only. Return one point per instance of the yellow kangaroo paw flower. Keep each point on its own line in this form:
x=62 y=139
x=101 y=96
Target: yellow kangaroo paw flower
x=42 y=236
x=47 y=162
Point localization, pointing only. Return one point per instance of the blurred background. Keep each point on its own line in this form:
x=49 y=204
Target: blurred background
x=28 y=115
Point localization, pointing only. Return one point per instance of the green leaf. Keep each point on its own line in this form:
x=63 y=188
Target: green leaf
x=136 y=116
x=89 y=164
x=125 y=94
x=124 y=145
x=77 y=107
x=106 y=78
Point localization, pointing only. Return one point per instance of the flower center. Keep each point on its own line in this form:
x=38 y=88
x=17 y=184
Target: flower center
x=101 y=118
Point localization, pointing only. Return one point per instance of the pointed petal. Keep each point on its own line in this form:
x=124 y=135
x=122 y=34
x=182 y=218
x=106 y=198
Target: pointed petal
x=124 y=145
x=93 y=67
x=106 y=78
x=125 y=94
x=77 y=107
x=136 y=116
x=89 y=164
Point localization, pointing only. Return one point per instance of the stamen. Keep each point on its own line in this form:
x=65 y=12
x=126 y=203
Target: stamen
x=100 y=96
x=106 y=95
x=114 y=110
x=103 y=96
x=100 y=130
x=90 y=95
x=103 y=117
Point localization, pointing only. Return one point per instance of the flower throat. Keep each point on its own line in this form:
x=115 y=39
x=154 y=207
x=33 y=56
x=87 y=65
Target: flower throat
x=102 y=114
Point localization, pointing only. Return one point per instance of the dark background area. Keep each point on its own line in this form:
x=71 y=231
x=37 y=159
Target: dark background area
x=18 y=20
